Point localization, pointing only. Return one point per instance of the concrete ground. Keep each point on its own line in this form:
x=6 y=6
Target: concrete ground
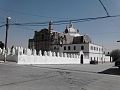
x=59 y=77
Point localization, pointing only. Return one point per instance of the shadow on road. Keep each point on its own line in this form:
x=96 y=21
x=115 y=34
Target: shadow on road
x=111 y=71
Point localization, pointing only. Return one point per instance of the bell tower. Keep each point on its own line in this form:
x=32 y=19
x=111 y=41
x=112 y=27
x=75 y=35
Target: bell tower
x=70 y=24
x=50 y=26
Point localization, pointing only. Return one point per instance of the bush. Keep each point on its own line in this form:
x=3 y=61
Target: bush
x=115 y=54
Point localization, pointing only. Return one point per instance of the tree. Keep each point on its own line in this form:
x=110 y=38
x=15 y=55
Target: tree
x=115 y=54
x=1 y=45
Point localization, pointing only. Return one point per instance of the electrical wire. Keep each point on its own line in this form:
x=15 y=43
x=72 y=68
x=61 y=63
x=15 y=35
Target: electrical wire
x=104 y=7
x=61 y=22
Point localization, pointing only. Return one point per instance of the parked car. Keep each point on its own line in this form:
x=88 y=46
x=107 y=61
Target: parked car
x=93 y=62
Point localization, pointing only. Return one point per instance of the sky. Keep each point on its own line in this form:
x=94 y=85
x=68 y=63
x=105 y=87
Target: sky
x=102 y=32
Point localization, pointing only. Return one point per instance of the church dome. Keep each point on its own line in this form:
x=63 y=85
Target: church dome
x=72 y=31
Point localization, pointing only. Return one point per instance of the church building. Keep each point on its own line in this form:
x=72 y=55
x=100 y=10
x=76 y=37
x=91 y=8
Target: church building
x=69 y=41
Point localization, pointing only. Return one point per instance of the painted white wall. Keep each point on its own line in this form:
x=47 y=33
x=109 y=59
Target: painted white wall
x=24 y=59
x=1 y=57
x=30 y=57
x=51 y=58
x=96 y=53
x=100 y=48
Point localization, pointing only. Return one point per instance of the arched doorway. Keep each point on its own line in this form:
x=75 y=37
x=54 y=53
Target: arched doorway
x=81 y=59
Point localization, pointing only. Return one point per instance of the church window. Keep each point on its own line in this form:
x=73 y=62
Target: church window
x=64 y=47
x=68 y=47
x=74 y=47
x=97 y=48
x=82 y=47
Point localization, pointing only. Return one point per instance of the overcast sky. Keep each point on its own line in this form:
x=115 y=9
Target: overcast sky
x=104 y=32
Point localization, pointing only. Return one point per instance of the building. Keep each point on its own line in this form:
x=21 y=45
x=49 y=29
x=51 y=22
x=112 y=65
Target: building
x=70 y=41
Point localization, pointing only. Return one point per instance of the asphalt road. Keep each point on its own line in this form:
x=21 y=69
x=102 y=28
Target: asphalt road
x=59 y=77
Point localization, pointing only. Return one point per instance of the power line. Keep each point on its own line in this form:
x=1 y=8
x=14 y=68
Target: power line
x=42 y=23
x=61 y=22
x=64 y=21
x=27 y=25
x=104 y=7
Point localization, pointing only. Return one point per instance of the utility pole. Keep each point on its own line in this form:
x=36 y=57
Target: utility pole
x=102 y=54
x=7 y=27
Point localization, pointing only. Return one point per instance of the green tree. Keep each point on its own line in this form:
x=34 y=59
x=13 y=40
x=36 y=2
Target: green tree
x=115 y=54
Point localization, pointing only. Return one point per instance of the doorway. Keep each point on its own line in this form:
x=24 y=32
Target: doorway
x=81 y=59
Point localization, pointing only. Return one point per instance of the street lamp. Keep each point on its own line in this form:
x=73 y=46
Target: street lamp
x=118 y=41
x=7 y=27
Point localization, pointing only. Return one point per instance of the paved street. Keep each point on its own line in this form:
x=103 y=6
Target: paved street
x=59 y=77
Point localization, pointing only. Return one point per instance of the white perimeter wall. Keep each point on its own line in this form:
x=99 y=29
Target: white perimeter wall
x=25 y=59
x=27 y=56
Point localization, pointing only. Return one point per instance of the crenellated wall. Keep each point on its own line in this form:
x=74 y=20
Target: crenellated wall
x=28 y=56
